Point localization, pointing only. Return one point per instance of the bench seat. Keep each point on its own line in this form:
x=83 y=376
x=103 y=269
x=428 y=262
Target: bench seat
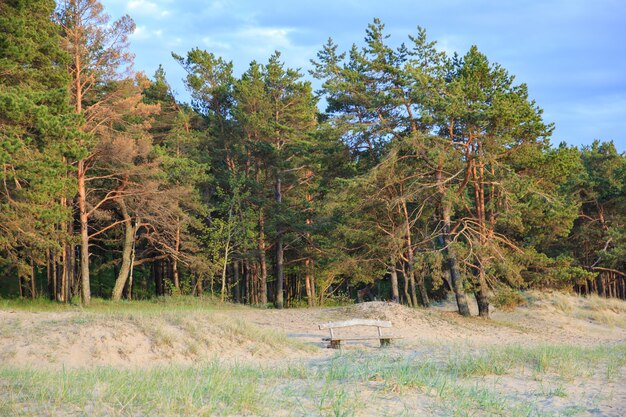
x=335 y=341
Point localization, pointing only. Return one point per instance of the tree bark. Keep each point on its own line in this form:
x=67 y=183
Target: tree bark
x=406 y=280
x=224 y=268
x=481 y=296
x=455 y=276
x=236 y=283
x=309 y=281
x=478 y=173
x=85 y=293
x=280 y=271
x=395 y=294
x=262 y=260
x=33 y=293
x=175 y=260
x=309 y=278
x=411 y=260
x=49 y=274
x=158 y=278
x=129 y=237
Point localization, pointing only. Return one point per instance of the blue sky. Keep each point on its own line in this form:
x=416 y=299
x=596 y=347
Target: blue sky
x=571 y=53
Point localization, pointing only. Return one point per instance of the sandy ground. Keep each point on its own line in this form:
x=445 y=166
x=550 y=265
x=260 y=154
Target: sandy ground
x=75 y=339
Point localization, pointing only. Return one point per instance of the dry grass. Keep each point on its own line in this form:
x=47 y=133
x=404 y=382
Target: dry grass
x=563 y=302
x=363 y=383
x=597 y=303
x=608 y=311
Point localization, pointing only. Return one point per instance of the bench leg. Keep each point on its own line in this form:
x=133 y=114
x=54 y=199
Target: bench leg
x=385 y=342
x=335 y=344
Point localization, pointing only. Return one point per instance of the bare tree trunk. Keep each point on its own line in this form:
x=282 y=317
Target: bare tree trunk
x=227 y=252
x=421 y=285
x=411 y=276
x=236 y=283
x=481 y=296
x=224 y=268
x=262 y=259
x=395 y=295
x=246 y=269
x=129 y=237
x=309 y=281
x=479 y=194
x=33 y=293
x=71 y=260
x=53 y=262
x=175 y=260
x=20 y=284
x=132 y=262
x=280 y=271
x=406 y=280
x=49 y=274
x=455 y=276
x=411 y=261
x=158 y=284
x=85 y=293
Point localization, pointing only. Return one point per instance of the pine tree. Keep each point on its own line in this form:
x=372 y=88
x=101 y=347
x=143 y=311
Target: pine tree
x=37 y=133
x=98 y=56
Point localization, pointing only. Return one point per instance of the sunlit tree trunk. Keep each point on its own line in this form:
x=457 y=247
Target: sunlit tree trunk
x=129 y=237
x=85 y=292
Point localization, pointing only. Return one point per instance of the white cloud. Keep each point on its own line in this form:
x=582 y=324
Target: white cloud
x=146 y=8
x=451 y=44
x=212 y=43
x=272 y=37
x=143 y=33
x=142 y=6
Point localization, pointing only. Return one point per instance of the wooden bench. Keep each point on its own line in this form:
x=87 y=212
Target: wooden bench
x=335 y=341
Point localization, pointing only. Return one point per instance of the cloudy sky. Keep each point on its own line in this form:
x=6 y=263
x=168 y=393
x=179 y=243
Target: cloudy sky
x=571 y=53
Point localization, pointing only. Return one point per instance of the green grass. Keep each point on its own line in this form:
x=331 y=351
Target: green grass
x=455 y=384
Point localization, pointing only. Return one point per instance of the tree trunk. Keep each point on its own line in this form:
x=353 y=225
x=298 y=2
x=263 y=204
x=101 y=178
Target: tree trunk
x=132 y=262
x=85 y=293
x=309 y=281
x=478 y=173
x=309 y=278
x=158 y=278
x=411 y=277
x=395 y=295
x=405 y=277
x=20 y=284
x=71 y=260
x=481 y=296
x=129 y=238
x=175 y=260
x=411 y=261
x=421 y=285
x=53 y=263
x=280 y=271
x=224 y=268
x=236 y=283
x=262 y=260
x=49 y=275
x=33 y=293
x=455 y=276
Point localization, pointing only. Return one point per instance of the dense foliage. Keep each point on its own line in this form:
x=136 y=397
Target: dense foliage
x=425 y=174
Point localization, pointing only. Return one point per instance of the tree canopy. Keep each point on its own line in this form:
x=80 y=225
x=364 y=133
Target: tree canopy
x=427 y=174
